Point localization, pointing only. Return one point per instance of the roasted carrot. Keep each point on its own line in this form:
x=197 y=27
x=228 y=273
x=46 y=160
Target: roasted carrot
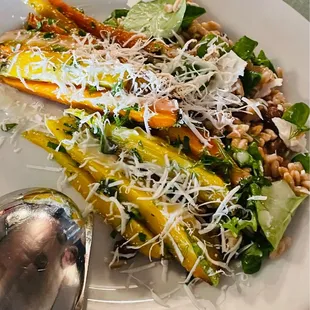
x=100 y=30
x=48 y=91
x=178 y=134
x=44 y=24
x=44 y=9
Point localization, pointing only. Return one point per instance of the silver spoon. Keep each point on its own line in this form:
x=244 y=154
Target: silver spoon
x=44 y=251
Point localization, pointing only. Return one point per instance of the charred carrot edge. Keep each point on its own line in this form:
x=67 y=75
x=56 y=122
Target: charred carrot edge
x=47 y=90
x=101 y=30
x=33 y=21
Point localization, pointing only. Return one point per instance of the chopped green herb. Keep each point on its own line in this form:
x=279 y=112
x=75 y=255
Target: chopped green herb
x=113 y=234
x=117 y=88
x=51 y=21
x=54 y=146
x=304 y=159
x=220 y=166
x=250 y=80
x=135 y=214
x=235 y=224
x=49 y=35
x=82 y=33
x=135 y=153
x=253 y=150
x=8 y=127
x=245 y=47
x=121 y=120
x=58 y=48
x=186 y=145
x=59 y=9
x=191 y=13
x=91 y=89
x=142 y=237
x=39 y=26
x=140 y=144
x=93 y=25
x=107 y=190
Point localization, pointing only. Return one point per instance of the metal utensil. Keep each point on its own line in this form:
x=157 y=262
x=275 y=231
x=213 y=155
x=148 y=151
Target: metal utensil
x=44 y=250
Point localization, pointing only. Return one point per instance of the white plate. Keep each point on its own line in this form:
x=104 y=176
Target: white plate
x=282 y=284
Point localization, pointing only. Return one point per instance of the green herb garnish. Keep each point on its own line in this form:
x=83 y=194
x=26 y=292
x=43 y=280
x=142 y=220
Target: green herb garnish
x=8 y=127
x=54 y=146
x=49 y=35
x=142 y=237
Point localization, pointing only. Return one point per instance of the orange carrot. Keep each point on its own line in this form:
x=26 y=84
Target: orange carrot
x=48 y=91
x=101 y=30
x=45 y=26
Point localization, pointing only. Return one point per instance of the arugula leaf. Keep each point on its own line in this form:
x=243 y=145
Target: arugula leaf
x=245 y=159
x=235 y=224
x=107 y=190
x=254 y=152
x=249 y=80
x=152 y=18
x=8 y=127
x=262 y=60
x=297 y=114
x=245 y=47
x=251 y=259
x=275 y=213
x=54 y=146
x=220 y=166
x=304 y=159
x=205 y=44
x=191 y=13
x=112 y=19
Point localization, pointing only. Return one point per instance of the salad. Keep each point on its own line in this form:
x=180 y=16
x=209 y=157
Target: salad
x=180 y=138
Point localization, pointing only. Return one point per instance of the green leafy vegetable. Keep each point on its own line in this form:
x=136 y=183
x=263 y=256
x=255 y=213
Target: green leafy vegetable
x=49 y=35
x=51 y=21
x=82 y=33
x=153 y=19
x=235 y=224
x=245 y=159
x=191 y=13
x=58 y=48
x=245 y=47
x=262 y=60
x=8 y=127
x=304 y=159
x=254 y=152
x=112 y=19
x=107 y=146
x=186 y=145
x=204 y=44
x=275 y=213
x=136 y=153
x=113 y=234
x=135 y=214
x=297 y=114
x=142 y=237
x=54 y=146
x=117 y=87
x=251 y=259
x=249 y=80
x=91 y=89
x=106 y=189
x=222 y=167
